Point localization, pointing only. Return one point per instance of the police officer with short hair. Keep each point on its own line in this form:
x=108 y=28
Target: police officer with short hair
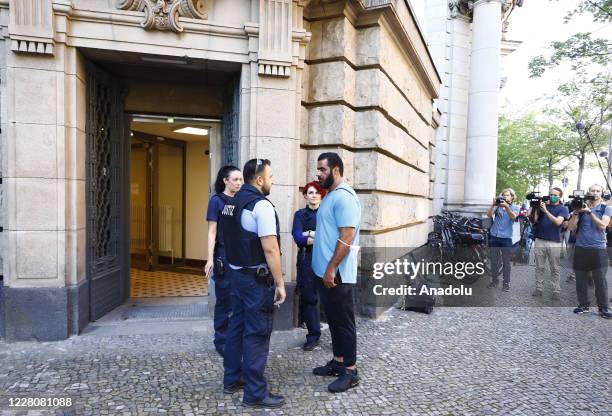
x=252 y=247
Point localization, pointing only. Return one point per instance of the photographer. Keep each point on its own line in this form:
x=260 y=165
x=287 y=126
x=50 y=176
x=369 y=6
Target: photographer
x=547 y=220
x=503 y=212
x=590 y=221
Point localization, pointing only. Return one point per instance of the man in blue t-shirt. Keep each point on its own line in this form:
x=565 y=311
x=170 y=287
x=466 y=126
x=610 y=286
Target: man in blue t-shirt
x=547 y=220
x=334 y=263
x=590 y=254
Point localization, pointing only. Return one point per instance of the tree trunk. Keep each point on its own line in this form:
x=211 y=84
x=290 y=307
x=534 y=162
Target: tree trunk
x=580 y=169
x=550 y=174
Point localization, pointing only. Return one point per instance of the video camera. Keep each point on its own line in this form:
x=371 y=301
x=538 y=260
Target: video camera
x=579 y=199
x=535 y=199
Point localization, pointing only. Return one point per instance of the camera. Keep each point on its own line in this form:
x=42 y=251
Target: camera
x=579 y=199
x=535 y=199
x=499 y=200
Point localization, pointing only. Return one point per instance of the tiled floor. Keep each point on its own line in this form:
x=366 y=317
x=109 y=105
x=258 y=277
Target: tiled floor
x=166 y=284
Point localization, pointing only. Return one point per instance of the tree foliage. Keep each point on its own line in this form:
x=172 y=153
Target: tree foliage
x=581 y=49
x=530 y=152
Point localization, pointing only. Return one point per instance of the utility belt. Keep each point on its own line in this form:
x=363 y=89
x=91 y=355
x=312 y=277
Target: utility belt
x=262 y=274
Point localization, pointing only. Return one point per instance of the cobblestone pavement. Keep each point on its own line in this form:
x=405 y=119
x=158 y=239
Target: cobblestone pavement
x=457 y=361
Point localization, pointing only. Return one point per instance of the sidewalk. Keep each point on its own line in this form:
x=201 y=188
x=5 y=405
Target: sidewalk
x=457 y=361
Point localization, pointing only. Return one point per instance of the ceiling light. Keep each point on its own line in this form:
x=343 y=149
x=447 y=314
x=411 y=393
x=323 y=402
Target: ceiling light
x=192 y=130
x=172 y=61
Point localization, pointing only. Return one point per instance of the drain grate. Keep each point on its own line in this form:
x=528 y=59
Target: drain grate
x=166 y=311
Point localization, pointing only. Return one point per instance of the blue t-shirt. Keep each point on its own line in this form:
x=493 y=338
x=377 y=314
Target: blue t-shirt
x=339 y=208
x=545 y=229
x=215 y=206
x=502 y=224
x=587 y=233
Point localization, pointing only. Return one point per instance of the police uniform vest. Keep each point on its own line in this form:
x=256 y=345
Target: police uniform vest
x=243 y=248
x=219 y=236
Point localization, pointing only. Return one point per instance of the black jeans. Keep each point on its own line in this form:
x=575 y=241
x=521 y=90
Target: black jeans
x=592 y=260
x=340 y=312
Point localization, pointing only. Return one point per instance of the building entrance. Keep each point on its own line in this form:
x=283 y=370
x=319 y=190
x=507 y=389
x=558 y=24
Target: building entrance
x=169 y=191
x=156 y=138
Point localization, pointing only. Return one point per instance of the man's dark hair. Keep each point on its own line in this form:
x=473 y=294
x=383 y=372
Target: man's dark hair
x=254 y=167
x=556 y=188
x=333 y=160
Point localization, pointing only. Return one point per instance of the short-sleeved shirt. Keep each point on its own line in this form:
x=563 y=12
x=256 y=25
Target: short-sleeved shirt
x=215 y=206
x=544 y=227
x=502 y=224
x=587 y=233
x=339 y=208
x=261 y=220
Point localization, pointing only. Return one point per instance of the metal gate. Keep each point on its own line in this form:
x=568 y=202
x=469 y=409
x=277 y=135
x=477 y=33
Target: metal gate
x=231 y=121
x=107 y=192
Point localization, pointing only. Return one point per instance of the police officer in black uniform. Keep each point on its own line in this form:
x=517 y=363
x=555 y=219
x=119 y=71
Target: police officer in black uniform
x=304 y=231
x=252 y=247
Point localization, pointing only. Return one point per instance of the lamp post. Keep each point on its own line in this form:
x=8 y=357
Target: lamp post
x=583 y=129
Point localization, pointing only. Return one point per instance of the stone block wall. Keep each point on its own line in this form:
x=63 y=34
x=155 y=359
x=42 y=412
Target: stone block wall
x=363 y=97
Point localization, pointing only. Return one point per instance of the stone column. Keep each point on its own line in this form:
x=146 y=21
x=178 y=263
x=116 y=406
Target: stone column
x=269 y=116
x=481 y=149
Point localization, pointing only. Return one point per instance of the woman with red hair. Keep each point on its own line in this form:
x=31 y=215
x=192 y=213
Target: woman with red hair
x=304 y=227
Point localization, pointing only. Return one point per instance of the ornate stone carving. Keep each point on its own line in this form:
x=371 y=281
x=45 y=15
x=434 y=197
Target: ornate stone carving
x=31 y=26
x=164 y=14
x=460 y=7
x=465 y=7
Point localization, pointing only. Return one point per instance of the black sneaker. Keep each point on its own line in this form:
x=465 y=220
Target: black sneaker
x=506 y=287
x=604 y=312
x=581 y=309
x=272 y=401
x=234 y=387
x=492 y=285
x=332 y=368
x=309 y=346
x=570 y=277
x=348 y=379
x=536 y=293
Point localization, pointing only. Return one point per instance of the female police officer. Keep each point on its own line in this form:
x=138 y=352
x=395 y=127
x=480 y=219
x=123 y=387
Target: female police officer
x=304 y=226
x=229 y=181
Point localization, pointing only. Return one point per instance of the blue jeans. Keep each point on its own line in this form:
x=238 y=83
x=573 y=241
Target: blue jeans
x=248 y=336
x=500 y=248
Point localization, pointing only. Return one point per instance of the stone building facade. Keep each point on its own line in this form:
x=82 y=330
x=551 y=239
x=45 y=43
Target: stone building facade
x=277 y=79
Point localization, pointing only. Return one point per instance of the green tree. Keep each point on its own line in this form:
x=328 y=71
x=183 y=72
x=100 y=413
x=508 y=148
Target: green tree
x=529 y=153
x=581 y=49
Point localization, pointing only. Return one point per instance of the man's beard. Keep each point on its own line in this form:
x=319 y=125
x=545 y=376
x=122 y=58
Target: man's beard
x=265 y=191
x=327 y=182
